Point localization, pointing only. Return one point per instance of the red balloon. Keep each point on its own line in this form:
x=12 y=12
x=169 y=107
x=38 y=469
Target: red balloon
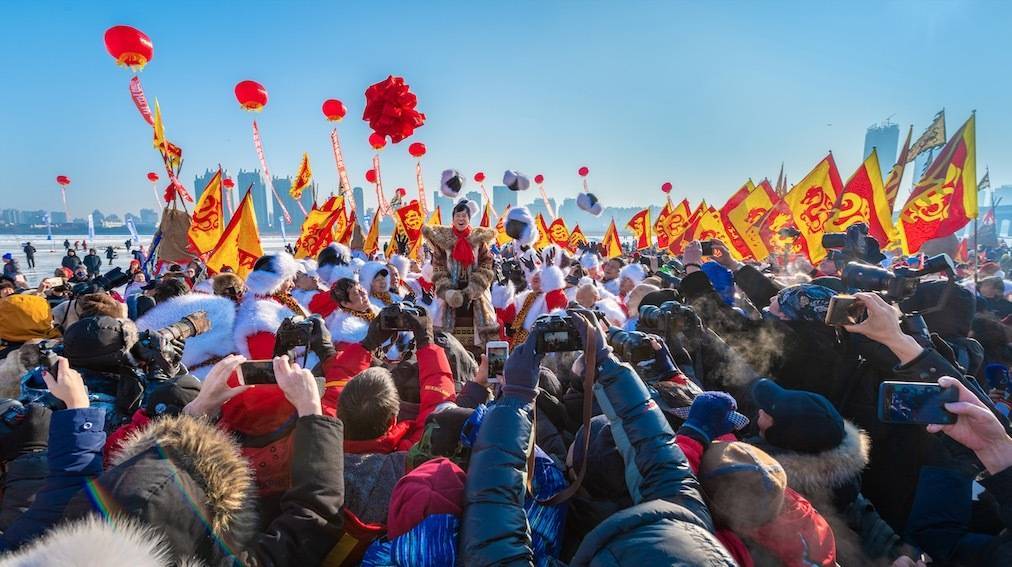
x=377 y=141
x=228 y=183
x=417 y=149
x=152 y=176
x=667 y=187
x=63 y=180
x=583 y=171
x=401 y=192
x=370 y=176
x=252 y=96
x=539 y=179
x=479 y=177
x=334 y=109
x=129 y=46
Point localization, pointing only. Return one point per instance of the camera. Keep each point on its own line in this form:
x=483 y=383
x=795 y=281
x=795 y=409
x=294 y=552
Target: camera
x=854 y=244
x=293 y=332
x=154 y=346
x=788 y=232
x=33 y=386
x=108 y=281
x=556 y=333
x=668 y=319
x=631 y=346
x=12 y=413
x=395 y=317
x=898 y=284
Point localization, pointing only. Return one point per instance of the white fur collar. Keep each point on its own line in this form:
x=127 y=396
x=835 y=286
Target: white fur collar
x=256 y=315
x=217 y=341
x=96 y=541
x=347 y=328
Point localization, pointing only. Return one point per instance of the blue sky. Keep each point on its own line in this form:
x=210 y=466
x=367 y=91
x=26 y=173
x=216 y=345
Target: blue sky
x=701 y=94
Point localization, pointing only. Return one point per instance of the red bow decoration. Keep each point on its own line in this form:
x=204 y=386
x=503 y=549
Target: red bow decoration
x=390 y=109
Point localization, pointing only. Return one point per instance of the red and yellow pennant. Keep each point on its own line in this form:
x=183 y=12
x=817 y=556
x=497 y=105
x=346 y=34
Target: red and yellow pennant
x=543 y=235
x=678 y=244
x=864 y=200
x=745 y=217
x=611 y=245
x=640 y=226
x=892 y=183
x=208 y=218
x=501 y=238
x=318 y=229
x=371 y=244
x=945 y=198
x=349 y=230
x=671 y=223
x=736 y=240
x=559 y=233
x=239 y=247
x=486 y=216
x=302 y=178
x=709 y=226
x=577 y=239
x=811 y=204
x=410 y=219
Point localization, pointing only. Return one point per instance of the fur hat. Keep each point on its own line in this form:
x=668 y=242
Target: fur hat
x=636 y=295
x=334 y=263
x=552 y=278
x=516 y=181
x=451 y=183
x=307 y=267
x=401 y=264
x=588 y=202
x=270 y=271
x=519 y=225
x=590 y=260
x=369 y=272
x=225 y=282
x=530 y=263
x=636 y=272
x=472 y=207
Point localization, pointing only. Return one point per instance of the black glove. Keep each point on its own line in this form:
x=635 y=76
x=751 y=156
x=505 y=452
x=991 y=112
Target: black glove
x=28 y=434
x=403 y=243
x=421 y=326
x=426 y=298
x=159 y=351
x=320 y=341
x=376 y=336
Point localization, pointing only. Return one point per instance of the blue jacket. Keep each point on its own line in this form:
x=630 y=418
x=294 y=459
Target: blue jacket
x=76 y=438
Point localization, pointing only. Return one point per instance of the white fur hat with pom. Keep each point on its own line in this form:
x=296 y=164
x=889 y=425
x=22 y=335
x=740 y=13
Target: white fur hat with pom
x=589 y=202
x=519 y=225
x=270 y=271
x=451 y=183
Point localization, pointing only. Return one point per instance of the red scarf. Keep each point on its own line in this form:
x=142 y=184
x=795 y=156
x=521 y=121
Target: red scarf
x=386 y=443
x=462 y=251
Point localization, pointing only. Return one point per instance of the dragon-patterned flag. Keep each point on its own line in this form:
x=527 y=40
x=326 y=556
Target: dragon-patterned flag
x=811 y=204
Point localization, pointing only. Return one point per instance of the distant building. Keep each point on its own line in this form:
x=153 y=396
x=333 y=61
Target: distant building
x=149 y=216
x=538 y=206
x=502 y=197
x=476 y=197
x=885 y=137
x=58 y=217
x=444 y=204
x=33 y=217
x=10 y=216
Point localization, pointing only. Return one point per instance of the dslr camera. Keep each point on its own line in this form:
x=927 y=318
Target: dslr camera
x=668 y=320
x=155 y=346
x=395 y=317
x=294 y=332
x=556 y=333
x=852 y=245
x=631 y=346
x=895 y=285
x=108 y=281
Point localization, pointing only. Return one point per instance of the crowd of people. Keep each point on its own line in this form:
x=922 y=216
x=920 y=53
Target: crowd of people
x=654 y=409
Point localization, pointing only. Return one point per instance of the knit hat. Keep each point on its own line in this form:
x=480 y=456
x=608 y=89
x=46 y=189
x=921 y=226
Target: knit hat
x=658 y=298
x=722 y=280
x=270 y=271
x=472 y=207
x=441 y=438
x=9 y=256
x=171 y=396
x=334 y=263
x=451 y=183
x=805 y=302
x=588 y=202
x=605 y=476
x=802 y=421
x=744 y=486
x=519 y=225
x=435 y=487
x=516 y=181
x=24 y=317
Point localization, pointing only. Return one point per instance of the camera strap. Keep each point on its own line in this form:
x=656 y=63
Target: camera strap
x=589 y=368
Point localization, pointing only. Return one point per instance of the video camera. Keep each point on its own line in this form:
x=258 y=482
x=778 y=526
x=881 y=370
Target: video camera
x=669 y=319
x=631 y=346
x=394 y=317
x=156 y=344
x=896 y=285
x=852 y=245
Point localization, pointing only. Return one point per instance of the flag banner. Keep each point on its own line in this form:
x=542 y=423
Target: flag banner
x=710 y=226
x=239 y=247
x=611 y=246
x=671 y=223
x=382 y=205
x=781 y=187
x=208 y=218
x=91 y=227
x=811 y=204
x=678 y=244
x=771 y=228
x=745 y=217
x=341 y=226
x=140 y=101
x=543 y=236
x=371 y=243
x=737 y=241
x=577 y=240
x=265 y=172
x=892 y=183
x=640 y=226
x=501 y=238
x=391 y=248
x=486 y=216
x=933 y=137
x=420 y=181
x=436 y=218
x=349 y=229
x=659 y=230
x=411 y=221
x=302 y=178
x=863 y=200
x=343 y=185
x=985 y=182
x=945 y=199
x=158 y=128
x=559 y=233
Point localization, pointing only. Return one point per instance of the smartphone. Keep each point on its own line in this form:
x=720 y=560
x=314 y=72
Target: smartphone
x=496 y=353
x=258 y=372
x=707 y=246
x=845 y=310
x=53 y=282
x=915 y=402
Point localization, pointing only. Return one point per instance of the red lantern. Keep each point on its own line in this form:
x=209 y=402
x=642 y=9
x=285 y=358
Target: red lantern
x=334 y=109
x=402 y=192
x=539 y=179
x=370 y=176
x=152 y=176
x=417 y=150
x=377 y=141
x=252 y=96
x=129 y=46
x=667 y=187
x=228 y=183
x=63 y=180
x=583 y=171
x=479 y=177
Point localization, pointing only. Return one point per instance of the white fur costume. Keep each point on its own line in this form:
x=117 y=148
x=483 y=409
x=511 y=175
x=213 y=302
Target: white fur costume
x=217 y=342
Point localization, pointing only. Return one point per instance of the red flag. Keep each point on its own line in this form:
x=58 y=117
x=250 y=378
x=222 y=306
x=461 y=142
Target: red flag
x=671 y=223
x=864 y=200
x=577 y=239
x=611 y=245
x=412 y=220
x=640 y=226
x=558 y=233
x=737 y=242
x=486 y=216
x=678 y=244
x=811 y=204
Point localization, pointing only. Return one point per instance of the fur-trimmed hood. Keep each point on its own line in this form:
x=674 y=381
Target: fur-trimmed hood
x=442 y=237
x=269 y=278
x=96 y=541
x=815 y=473
x=368 y=273
x=218 y=341
x=256 y=315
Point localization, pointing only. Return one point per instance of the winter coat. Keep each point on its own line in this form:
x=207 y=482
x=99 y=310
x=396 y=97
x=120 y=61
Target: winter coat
x=668 y=522
x=93 y=262
x=23 y=478
x=71 y=262
x=29 y=251
x=11 y=269
x=999 y=552
x=451 y=284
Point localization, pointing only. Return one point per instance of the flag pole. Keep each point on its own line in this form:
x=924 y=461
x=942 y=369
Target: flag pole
x=976 y=256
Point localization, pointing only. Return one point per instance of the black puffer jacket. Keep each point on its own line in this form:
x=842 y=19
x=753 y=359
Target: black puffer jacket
x=24 y=477
x=668 y=523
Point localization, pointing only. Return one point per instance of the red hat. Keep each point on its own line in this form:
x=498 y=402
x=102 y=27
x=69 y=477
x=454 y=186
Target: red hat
x=434 y=487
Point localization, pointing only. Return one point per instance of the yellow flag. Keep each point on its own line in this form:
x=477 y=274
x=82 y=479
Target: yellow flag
x=208 y=218
x=239 y=247
x=302 y=178
x=864 y=200
x=436 y=218
x=611 y=246
x=371 y=244
x=544 y=238
x=745 y=215
x=159 y=128
x=501 y=238
x=811 y=203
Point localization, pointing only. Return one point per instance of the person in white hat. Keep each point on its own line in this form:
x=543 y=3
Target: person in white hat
x=266 y=303
x=546 y=293
x=307 y=283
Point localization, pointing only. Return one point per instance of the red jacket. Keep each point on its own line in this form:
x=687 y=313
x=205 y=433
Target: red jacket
x=115 y=439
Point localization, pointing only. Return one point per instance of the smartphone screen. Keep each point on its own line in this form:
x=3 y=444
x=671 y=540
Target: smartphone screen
x=258 y=372
x=914 y=402
x=845 y=310
x=496 y=353
x=707 y=247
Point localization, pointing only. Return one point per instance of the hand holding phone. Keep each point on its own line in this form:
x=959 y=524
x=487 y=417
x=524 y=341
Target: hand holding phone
x=707 y=247
x=256 y=372
x=496 y=353
x=916 y=402
x=845 y=310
